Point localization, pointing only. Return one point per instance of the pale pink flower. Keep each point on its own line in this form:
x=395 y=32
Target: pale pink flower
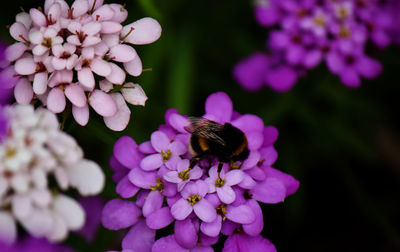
x=86 y=40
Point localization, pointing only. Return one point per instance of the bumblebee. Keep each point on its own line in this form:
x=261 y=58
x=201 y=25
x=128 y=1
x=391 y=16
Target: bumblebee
x=210 y=139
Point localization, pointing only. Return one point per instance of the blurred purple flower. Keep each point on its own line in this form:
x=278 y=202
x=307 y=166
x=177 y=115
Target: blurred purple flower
x=29 y=244
x=93 y=207
x=305 y=33
x=200 y=204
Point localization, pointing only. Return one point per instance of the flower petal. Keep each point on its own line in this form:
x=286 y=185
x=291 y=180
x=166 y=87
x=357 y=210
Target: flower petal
x=213 y=228
x=167 y=243
x=152 y=203
x=122 y=53
x=86 y=78
x=8 y=228
x=87 y=177
x=185 y=233
x=151 y=162
x=134 y=67
x=271 y=191
x=40 y=83
x=160 y=218
x=181 y=209
x=56 y=100
x=81 y=115
x=102 y=103
x=145 y=31
x=117 y=75
x=226 y=194
x=139 y=238
x=256 y=226
x=118 y=214
x=23 y=92
x=25 y=66
x=120 y=120
x=126 y=189
x=241 y=214
x=142 y=179
x=76 y=95
x=70 y=211
x=100 y=67
x=220 y=106
x=134 y=94
x=205 y=211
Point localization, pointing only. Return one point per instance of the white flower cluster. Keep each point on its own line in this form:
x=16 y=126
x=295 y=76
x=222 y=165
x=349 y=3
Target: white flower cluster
x=34 y=151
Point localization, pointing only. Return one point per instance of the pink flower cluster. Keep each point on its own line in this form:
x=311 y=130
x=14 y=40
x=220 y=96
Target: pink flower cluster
x=79 y=54
x=198 y=203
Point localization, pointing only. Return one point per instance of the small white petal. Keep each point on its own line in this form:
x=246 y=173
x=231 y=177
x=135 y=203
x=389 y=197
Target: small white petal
x=102 y=103
x=120 y=120
x=145 y=31
x=100 y=67
x=24 y=18
x=134 y=67
x=15 y=51
x=70 y=211
x=23 y=92
x=56 y=100
x=122 y=53
x=25 y=66
x=87 y=177
x=117 y=75
x=40 y=83
x=8 y=228
x=81 y=115
x=21 y=206
x=59 y=230
x=134 y=94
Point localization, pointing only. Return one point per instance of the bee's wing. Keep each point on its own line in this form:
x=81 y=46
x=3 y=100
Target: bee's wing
x=206 y=129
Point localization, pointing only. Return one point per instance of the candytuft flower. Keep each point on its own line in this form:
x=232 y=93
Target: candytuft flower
x=79 y=55
x=200 y=203
x=34 y=150
x=306 y=33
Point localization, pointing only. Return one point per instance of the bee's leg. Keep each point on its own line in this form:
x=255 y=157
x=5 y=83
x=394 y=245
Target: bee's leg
x=219 y=168
x=193 y=161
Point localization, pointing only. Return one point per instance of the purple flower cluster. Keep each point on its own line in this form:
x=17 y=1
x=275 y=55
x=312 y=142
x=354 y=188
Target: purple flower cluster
x=307 y=32
x=196 y=203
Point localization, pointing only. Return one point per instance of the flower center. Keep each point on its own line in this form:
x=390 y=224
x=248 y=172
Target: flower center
x=221 y=210
x=166 y=155
x=81 y=36
x=158 y=187
x=220 y=182
x=64 y=33
x=194 y=199
x=40 y=67
x=343 y=13
x=301 y=13
x=47 y=42
x=65 y=55
x=10 y=152
x=86 y=63
x=320 y=20
x=248 y=195
x=184 y=175
x=234 y=165
x=344 y=32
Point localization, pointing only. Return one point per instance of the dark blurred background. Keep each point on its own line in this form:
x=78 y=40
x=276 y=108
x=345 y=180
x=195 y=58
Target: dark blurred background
x=343 y=145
